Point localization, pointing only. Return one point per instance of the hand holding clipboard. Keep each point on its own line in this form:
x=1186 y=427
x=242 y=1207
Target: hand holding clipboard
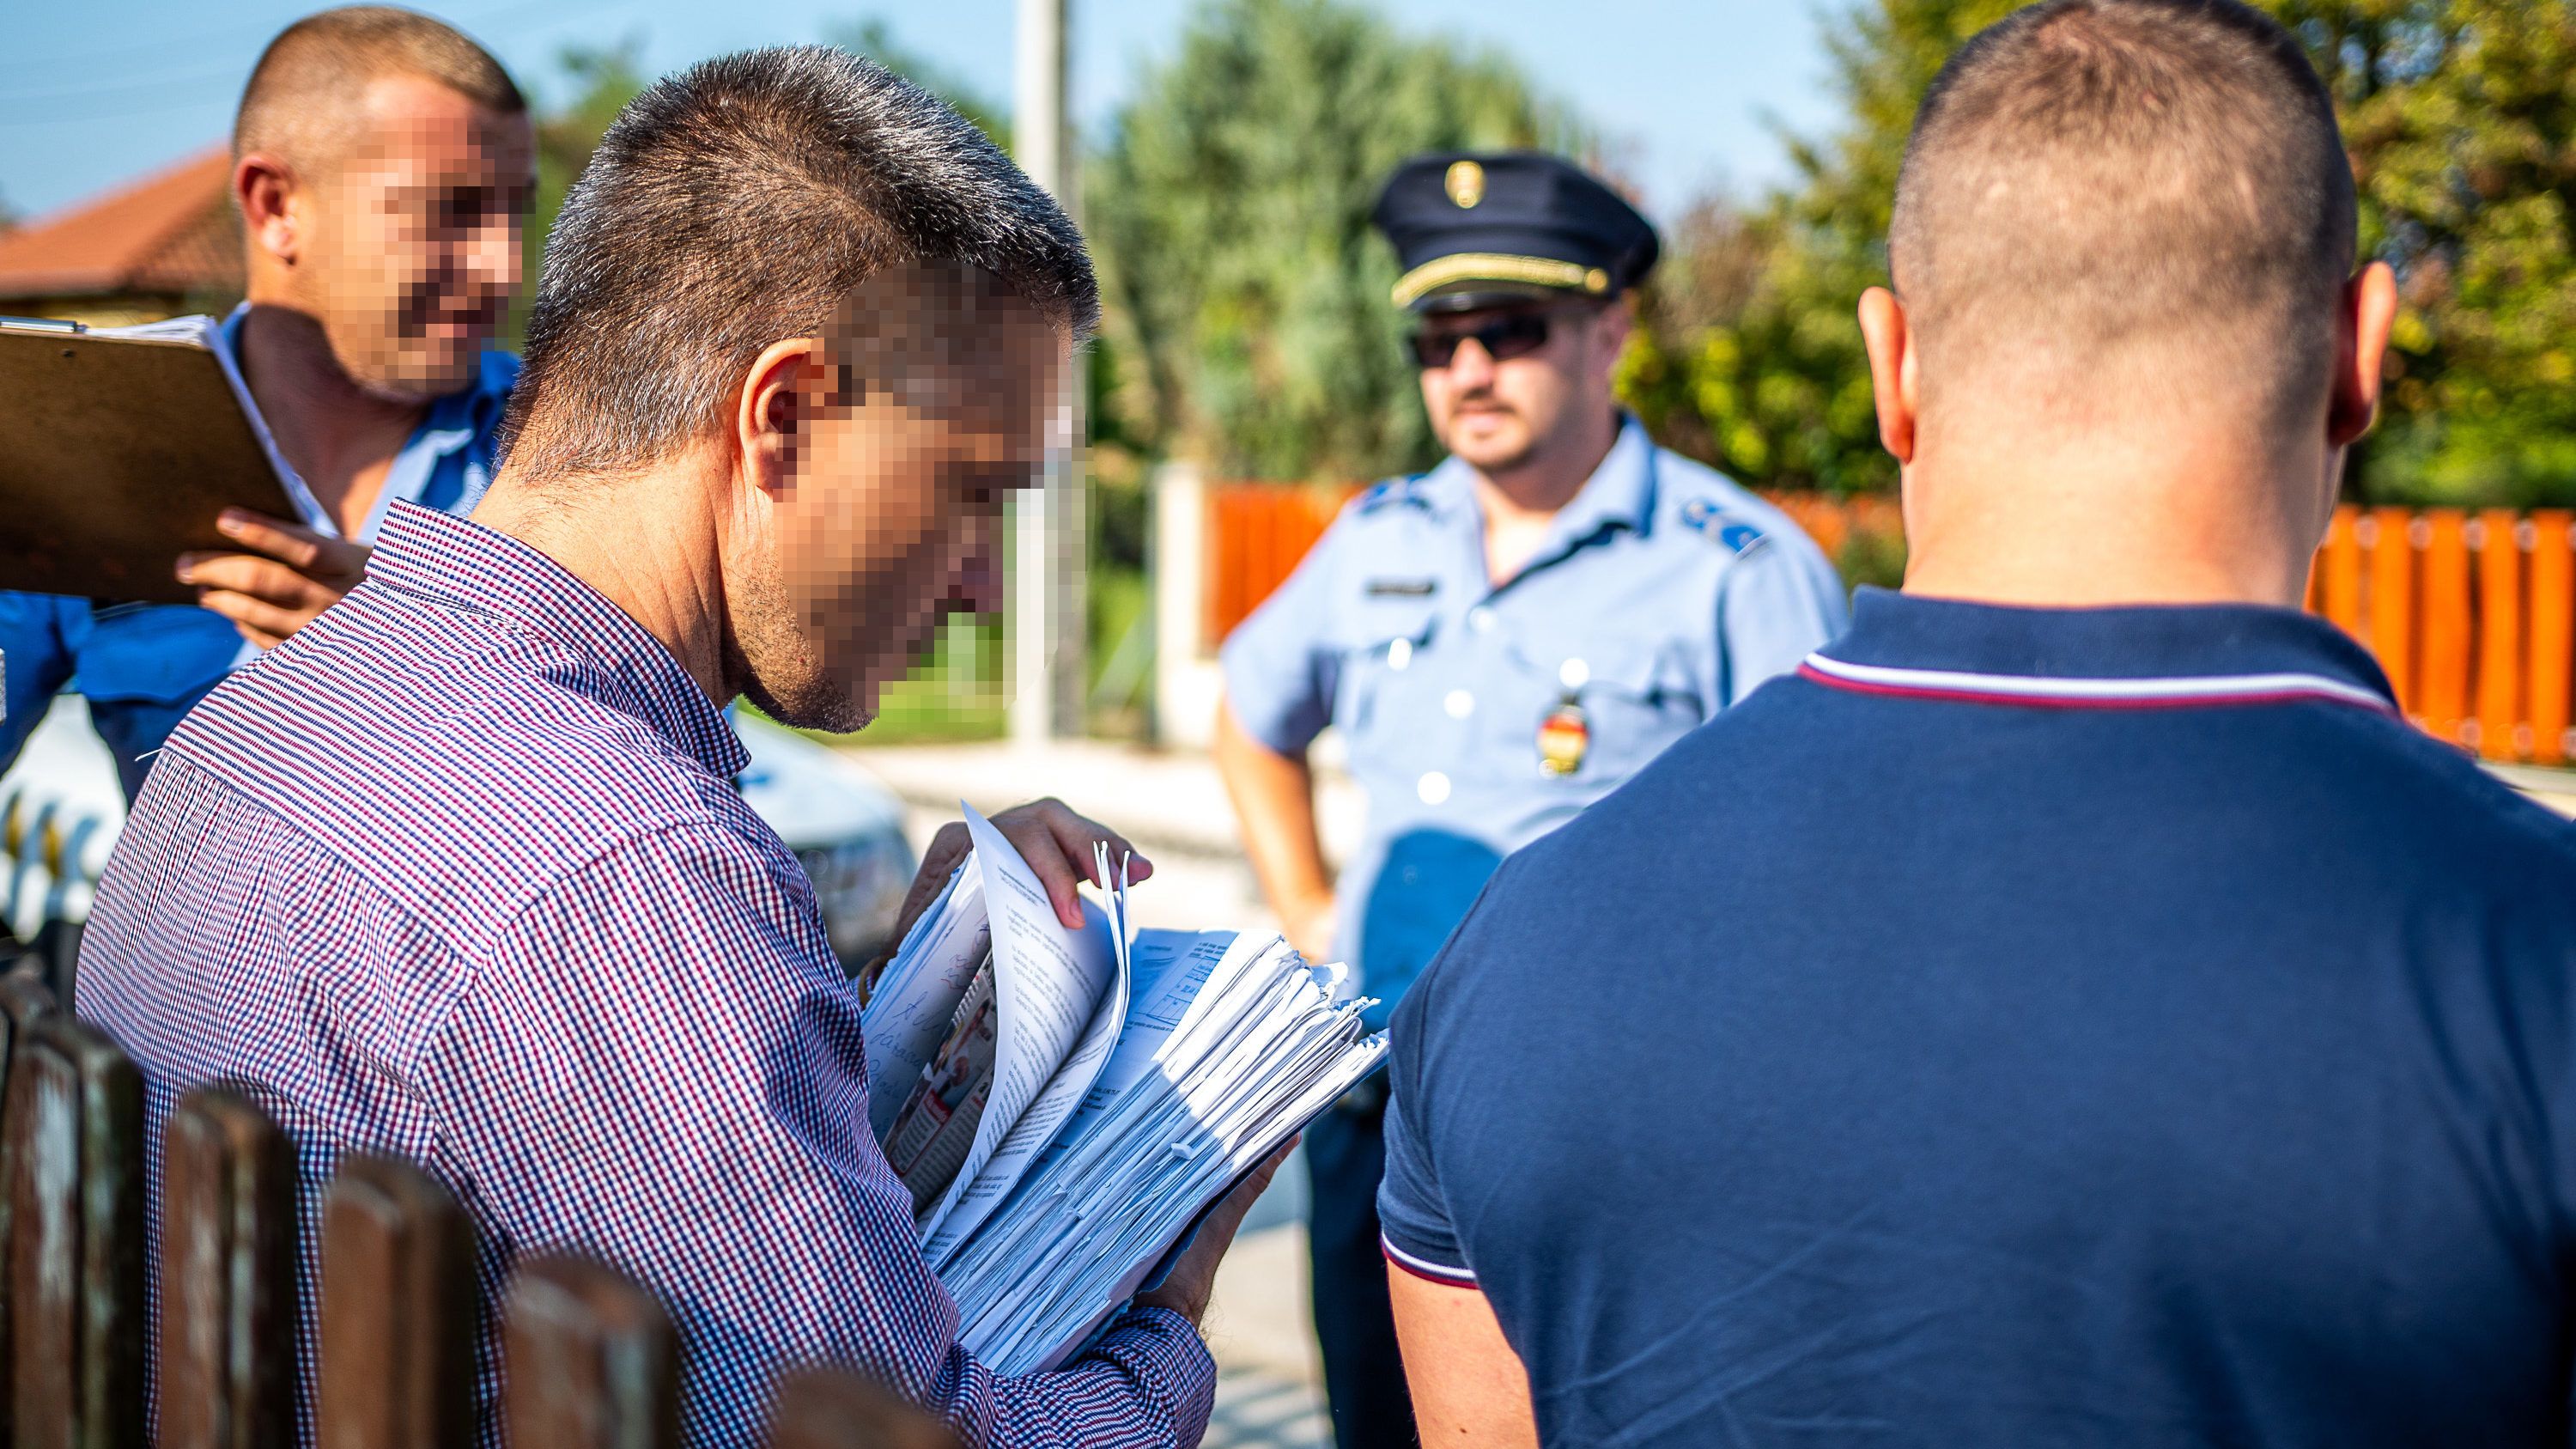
x=118 y=453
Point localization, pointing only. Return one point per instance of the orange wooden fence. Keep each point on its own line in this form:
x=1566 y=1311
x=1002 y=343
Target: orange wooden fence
x=2473 y=615
x=1256 y=534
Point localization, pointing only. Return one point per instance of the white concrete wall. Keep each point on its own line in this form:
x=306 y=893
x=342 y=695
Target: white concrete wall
x=1186 y=681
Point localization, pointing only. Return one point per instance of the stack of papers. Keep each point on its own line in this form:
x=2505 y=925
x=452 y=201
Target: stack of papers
x=1065 y=1103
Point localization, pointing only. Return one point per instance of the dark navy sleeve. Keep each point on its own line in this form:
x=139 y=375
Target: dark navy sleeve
x=1283 y=665
x=35 y=664
x=1414 y=1225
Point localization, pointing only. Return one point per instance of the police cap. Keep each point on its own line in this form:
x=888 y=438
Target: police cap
x=1474 y=229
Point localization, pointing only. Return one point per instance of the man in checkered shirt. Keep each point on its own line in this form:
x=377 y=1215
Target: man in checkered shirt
x=458 y=872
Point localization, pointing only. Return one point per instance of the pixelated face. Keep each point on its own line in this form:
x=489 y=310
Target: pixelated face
x=940 y=396
x=411 y=249
x=1513 y=376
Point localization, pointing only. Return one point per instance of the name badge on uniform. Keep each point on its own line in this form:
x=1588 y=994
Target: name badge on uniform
x=1401 y=588
x=1563 y=738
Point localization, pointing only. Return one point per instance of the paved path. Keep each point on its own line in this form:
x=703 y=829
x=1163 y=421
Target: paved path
x=1267 y=1393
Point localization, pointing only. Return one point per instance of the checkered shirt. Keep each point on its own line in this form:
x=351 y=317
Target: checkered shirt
x=459 y=874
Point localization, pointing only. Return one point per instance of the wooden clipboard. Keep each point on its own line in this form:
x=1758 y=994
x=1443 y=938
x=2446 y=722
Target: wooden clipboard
x=116 y=456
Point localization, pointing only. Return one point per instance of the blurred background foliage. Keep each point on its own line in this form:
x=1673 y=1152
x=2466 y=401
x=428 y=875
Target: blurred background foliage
x=1247 y=319
x=2460 y=116
x=1249 y=323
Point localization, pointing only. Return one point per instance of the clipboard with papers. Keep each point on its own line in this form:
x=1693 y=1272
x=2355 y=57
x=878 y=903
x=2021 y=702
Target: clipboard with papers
x=119 y=447
x=1105 y=1086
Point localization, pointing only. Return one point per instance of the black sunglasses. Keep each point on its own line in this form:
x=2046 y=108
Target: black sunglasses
x=1510 y=335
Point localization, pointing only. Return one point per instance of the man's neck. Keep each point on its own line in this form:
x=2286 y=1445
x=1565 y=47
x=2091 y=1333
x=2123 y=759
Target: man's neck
x=2177 y=521
x=340 y=438
x=1519 y=503
x=647 y=544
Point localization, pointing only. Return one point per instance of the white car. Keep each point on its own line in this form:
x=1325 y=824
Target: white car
x=61 y=811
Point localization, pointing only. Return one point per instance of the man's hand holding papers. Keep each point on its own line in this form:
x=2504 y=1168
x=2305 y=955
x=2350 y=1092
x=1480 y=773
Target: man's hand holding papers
x=1137 y=1081
x=1192 y=1282
x=1053 y=841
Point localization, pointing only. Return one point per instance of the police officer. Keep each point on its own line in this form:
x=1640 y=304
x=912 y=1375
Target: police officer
x=1500 y=641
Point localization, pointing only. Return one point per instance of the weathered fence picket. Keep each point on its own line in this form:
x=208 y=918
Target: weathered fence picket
x=398 y=1311
x=834 y=1409
x=590 y=1360
x=23 y=998
x=228 y=1285
x=76 y=1239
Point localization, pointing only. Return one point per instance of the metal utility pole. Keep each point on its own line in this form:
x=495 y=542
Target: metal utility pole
x=1048 y=618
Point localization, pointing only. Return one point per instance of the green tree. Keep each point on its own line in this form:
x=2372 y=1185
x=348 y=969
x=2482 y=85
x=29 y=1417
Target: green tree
x=603 y=79
x=2458 y=117
x=1248 y=297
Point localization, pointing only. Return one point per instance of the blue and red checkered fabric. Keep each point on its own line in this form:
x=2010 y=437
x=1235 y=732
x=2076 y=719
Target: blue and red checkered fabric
x=459 y=874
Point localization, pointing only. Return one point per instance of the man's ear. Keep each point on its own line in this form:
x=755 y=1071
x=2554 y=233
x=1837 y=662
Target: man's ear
x=1892 y=360
x=2368 y=310
x=265 y=188
x=1617 y=322
x=781 y=391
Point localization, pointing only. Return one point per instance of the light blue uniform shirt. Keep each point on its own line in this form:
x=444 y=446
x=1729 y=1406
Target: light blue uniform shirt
x=1662 y=594
x=141 y=666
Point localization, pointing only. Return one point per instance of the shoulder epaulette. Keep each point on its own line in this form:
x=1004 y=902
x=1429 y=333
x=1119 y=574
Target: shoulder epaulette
x=1705 y=517
x=1393 y=490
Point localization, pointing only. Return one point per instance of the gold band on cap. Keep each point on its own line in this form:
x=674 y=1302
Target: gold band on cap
x=1498 y=267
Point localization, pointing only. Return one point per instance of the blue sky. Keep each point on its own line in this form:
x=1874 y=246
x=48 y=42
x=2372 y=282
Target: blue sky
x=92 y=94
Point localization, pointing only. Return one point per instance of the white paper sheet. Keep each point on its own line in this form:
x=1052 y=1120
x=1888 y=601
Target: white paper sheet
x=1050 y=980
x=917 y=994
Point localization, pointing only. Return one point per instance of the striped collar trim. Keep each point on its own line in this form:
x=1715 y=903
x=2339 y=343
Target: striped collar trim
x=2055 y=692
x=1421 y=1267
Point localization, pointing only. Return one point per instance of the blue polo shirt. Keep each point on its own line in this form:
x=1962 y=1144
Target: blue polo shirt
x=2022 y=1027
x=143 y=666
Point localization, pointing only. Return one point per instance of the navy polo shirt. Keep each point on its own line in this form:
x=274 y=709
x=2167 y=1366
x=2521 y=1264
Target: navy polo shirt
x=2020 y=1027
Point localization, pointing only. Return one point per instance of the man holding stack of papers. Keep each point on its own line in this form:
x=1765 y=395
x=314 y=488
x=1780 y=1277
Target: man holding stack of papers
x=459 y=873
x=1132 y=1078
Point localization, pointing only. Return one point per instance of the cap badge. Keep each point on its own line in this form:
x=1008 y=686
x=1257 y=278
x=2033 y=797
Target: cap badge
x=1465 y=183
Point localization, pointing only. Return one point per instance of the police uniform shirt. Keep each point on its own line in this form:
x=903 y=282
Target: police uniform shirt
x=1661 y=594
x=2021 y=1027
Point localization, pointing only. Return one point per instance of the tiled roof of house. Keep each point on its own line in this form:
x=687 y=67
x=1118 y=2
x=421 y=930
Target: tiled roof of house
x=172 y=231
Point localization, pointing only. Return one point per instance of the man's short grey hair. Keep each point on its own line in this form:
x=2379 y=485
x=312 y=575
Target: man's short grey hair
x=2103 y=183
x=736 y=205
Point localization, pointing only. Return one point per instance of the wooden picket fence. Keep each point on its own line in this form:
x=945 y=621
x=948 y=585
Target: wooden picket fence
x=2473 y=615
x=589 y=1356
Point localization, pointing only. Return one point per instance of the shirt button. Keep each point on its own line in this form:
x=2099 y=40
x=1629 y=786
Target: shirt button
x=1433 y=788
x=1575 y=674
x=1399 y=654
x=1480 y=618
x=1460 y=704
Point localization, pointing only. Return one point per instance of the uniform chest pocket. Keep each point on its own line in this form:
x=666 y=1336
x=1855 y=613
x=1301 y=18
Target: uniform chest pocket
x=1605 y=710
x=1386 y=652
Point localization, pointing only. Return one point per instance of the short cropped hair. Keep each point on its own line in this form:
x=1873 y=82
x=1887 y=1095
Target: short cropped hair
x=2107 y=181
x=306 y=83
x=736 y=205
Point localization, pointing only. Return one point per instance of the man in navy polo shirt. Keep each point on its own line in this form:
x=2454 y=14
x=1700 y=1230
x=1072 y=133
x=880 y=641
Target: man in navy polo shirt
x=2076 y=1009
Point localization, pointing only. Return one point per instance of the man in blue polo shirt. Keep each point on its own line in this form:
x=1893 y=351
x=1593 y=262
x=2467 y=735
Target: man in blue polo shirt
x=2077 y=1009
x=383 y=164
